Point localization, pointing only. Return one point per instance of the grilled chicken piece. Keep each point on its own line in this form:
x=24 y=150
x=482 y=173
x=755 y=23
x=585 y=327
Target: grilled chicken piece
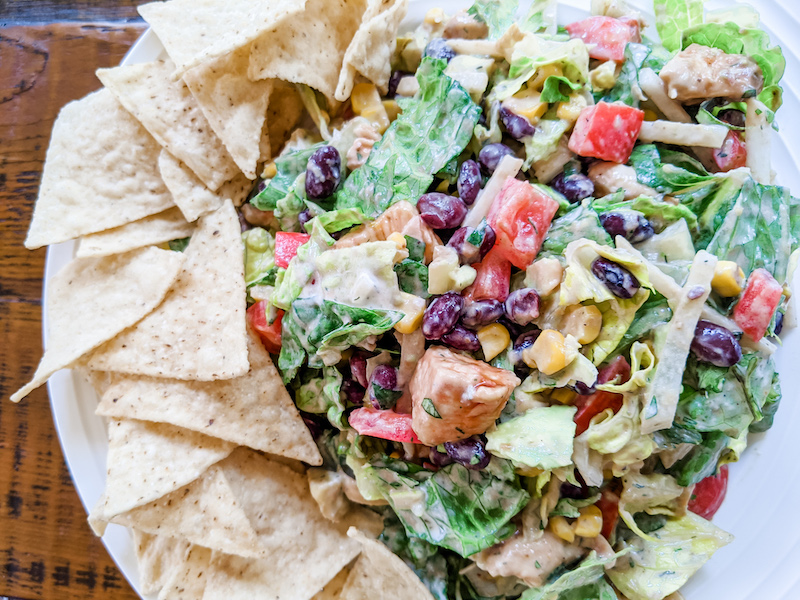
x=609 y=177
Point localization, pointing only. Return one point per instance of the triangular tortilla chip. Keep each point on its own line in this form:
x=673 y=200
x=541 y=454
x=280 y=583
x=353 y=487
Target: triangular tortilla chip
x=191 y=195
x=91 y=300
x=150 y=231
x=100 y=173
x=196 y=31
x=283 y=115
x=310 y=49
x=373 y=45
x=199 y=331
x=157 y=557
x=333 y=589
x=170 y=113
x=254 y=410
x=380 y=573
x=234 y=106
x=147 y=461
x=188 y=581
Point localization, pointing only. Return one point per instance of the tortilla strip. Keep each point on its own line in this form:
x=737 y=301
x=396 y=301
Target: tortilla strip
x=373 y=45
x=91 y=300
x=254 y=410
x=157 y=558
x=320 y=38
x=100 y=173
x=234 y=106
x=197 y=31
x=199 y=331
x=147 y=461
x=150 y=231
x=191 y=195
x=170 y=113
x=188 y=581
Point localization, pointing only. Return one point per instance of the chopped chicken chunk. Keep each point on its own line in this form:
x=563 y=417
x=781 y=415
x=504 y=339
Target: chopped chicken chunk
x=454 y=396
x=701 y=72
x=366 y=136
x=464 y=26
x=609 y=177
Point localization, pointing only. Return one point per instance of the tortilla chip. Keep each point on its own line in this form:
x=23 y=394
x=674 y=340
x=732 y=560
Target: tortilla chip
x=150 y=231
x=333 y=590
x=91 y=300
x=373 y=45
x=193 y=198
x=157 y=557
x=196 y=31
x=283 y=115
x=234 y=106
x=199 y=332
x=188 y=581
x=100 y=173
x=254 y=410
x=380 y=573
x=96 y=518
x=310 y=49
x=147 y=461
x=170 y=113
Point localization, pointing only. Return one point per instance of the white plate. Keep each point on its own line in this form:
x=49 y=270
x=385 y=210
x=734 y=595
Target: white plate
x=764 y=487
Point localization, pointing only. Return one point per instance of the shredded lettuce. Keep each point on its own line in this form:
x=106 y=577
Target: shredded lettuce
x=289 y=167
x=545 y=141
x=290 y=282
x=637 y=57
x=541 y=17
x=659 y=212
x=588 y=573
x=673 y=17
x=580 y=222
x=320 y=395
x=558 y=89
x=702 y=460
x=259 y=260
x=497 y=14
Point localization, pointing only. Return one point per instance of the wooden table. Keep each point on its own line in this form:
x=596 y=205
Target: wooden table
x=47 y=550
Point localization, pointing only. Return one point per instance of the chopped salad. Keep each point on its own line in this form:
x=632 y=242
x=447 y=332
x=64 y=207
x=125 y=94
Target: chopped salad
x=527 y=298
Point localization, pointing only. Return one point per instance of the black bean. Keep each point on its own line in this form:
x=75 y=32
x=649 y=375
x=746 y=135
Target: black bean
x=440 y=459
x=574 y=187
x=482 y=312
x=778 y=323
x=323 y=172
x=630 y=225
x=470 y=453
x=472 y=245
x=491 y=155
x=393 y=81
x=715 y=344
x=462 y=338
x=442 y=315
x=517 y=126
x=616 y=278
x=583 y=389
x=732 y=116
x=441 y=211
x=383 y=389
x=439 y=48
x=522 y=342
x=358 y=368
x=304 y=217
x=353 y=392
x=469 y=181
x=522 y=306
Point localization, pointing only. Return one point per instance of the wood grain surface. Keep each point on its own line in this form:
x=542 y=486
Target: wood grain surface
x=47 y=550
x=51 y=11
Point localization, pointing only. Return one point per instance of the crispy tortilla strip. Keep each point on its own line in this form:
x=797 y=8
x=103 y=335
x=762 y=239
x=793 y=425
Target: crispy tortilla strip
x=147 y=461
x=91 y=300
x=234 y=106
x=254 y=410
x=150 y=231
x=197 y=31
x=191 y=195
x=188 y=581
x=100 y=173
x=310 y=49
x=170 y=113
x=380 y=573
x=373 y=45
x=199 y=332
x=157 y=557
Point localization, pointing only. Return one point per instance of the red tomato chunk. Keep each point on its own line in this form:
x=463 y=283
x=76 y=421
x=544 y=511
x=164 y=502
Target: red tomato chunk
x=709 y=493
x=759 y=300
x=286 y=245
x=607 y=131
x=732 y=154
x=270 y=333
x=607 y=35
x=593 y=404
x=383 y=424
x=520 y=216
x=609 y=507
x=493 y=278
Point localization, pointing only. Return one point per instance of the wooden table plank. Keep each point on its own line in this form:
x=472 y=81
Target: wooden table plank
x=47 y=550
x=53 y=11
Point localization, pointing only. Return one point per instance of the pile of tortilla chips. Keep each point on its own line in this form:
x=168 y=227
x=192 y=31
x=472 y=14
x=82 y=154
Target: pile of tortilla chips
x=207 y=452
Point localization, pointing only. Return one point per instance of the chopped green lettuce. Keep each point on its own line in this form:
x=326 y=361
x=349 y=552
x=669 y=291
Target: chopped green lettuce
x=289 y=167
x=541 y=17
x=497 y=14
x=259 y=260
x=433 y=129
x=673 y=17
x=343 y=218
x=320 y=395
x=558 y=89
x=618 y=314
x=659 y=212
x=726 y=410
x=533 y=52
x=637 y=57
x=545 y=141
x=655 y=494
x=580 y=222
x=301 y=268
x=702 y=460
x=654 y=313
x=589 y=572
x=412 y=276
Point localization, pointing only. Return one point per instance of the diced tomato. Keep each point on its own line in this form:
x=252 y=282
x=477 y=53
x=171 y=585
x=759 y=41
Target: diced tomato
x=286 y=245
x=493 y=279
x=607 y=131
x=383 y=424
x=597 y=402
x=608 y=36
x=732 y=154
x=270 y=333
x=609 y=506
x=709 y=493
x=520 y=216
x=761 y=296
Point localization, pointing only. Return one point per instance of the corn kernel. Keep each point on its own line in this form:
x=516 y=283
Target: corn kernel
x=728 y=279
x=570 y=111
x=494 y=339
x=650 y=115
x=527 y=104
x=413 y=308
x=364 y=96
x=527 y=471
x=270 y=170
x=561 y=527
x=583 y=322
x=377 y=117
x=563 y=395
x=434 y=16
x=398 y=238
x=544 y=275
x=590 y=522
x=542 y=74
x=548 y=353
x=392 y=109
x=443 y=186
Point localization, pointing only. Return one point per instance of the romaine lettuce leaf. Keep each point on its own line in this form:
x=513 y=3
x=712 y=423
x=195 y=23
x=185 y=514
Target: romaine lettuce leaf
x=497 y=14
x=666 y=171
x=675 y=16
x=652 y=314
x=541 y=17
x=533 y=52
x=589 y=572
x=320 y=395
x=659 y=212
x=726 y=411
x=618 y=315
x=762 y=388
x=433 y=129
x=558 y=89
x=702 y=460
x=580 y=222
x=289 y=167
x=259 y=260
x=291 y=282
x=637 y=57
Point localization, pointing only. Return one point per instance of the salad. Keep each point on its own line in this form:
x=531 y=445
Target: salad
x=526 y=298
